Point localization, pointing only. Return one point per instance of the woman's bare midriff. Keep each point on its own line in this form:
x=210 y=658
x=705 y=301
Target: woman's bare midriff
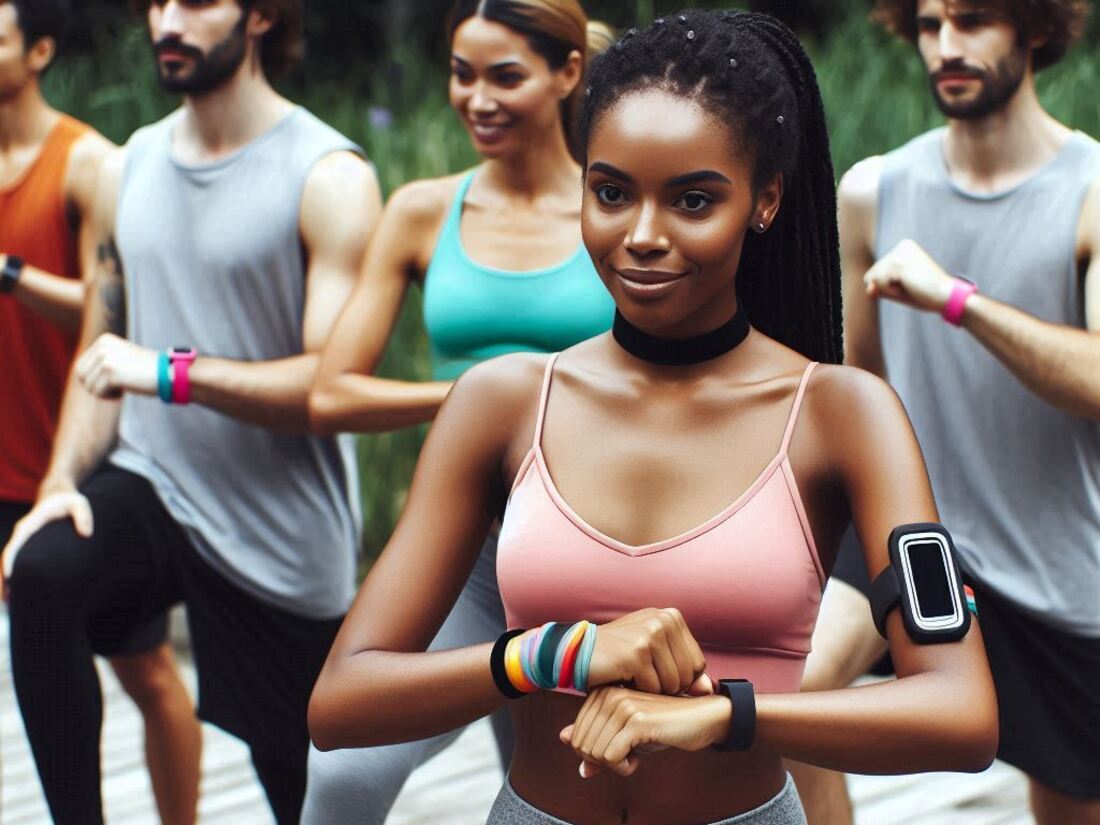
x=670 y=787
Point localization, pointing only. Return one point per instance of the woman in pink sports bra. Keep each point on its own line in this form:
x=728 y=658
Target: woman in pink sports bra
x=682 y=482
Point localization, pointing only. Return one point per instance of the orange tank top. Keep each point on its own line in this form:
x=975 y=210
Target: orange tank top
x=748 y=580
x=34 y=225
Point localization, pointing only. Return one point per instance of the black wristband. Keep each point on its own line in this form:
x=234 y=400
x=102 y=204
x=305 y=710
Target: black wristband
x=496 y=665
x=9 y=275
x=743 y=721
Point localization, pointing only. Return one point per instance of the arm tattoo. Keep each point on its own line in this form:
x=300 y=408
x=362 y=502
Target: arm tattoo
x=112 y=293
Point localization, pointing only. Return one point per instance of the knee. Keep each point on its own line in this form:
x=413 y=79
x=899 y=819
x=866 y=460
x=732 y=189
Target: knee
x=151 y=679
x=49 y=566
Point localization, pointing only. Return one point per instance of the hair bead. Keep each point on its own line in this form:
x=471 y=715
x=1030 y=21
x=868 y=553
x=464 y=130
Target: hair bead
x=748 y=68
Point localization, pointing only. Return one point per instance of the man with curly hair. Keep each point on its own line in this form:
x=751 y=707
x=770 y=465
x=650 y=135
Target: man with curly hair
x=990 y=224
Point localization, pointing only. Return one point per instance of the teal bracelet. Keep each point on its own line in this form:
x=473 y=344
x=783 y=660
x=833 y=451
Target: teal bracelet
x=584 y=660
x=164 y=377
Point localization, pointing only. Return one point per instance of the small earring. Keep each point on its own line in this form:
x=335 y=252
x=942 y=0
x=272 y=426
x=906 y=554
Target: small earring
x=761 y=227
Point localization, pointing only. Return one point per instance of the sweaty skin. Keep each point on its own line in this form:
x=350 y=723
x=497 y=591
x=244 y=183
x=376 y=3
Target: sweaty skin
x=643 y=452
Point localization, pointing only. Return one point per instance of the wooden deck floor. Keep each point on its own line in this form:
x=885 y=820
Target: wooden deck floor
x=456 y=788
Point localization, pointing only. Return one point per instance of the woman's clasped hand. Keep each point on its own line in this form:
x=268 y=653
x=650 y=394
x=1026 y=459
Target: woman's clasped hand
x=645 y=679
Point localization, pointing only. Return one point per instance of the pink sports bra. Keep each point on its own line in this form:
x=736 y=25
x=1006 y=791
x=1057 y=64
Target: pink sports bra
x=748 y=580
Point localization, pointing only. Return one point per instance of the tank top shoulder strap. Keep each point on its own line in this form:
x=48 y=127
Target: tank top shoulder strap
x=68 y=131
x=792 y=418
x=544 y=396
x=454 y=216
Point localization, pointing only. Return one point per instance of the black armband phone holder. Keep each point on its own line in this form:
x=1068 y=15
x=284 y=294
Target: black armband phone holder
x=924 y=579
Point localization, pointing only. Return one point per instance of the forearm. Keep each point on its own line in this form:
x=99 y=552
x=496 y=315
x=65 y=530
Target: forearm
x=273 y=394
x=1057 y=363
x=364 y=403
x=86 y=434
x=57 y=299
x=923 y=722
x=382 y=698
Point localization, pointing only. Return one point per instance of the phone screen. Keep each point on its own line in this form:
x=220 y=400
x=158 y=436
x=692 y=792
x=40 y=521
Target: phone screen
x=929 y=568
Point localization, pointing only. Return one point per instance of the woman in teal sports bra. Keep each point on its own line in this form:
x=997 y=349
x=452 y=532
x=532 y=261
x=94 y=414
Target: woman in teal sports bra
x=681 y=483
x=498 y=253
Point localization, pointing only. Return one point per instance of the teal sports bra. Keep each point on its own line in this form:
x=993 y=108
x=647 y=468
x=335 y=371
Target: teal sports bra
x=474 y=312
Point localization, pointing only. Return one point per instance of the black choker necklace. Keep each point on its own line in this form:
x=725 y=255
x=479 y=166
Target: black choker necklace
x=678 y=352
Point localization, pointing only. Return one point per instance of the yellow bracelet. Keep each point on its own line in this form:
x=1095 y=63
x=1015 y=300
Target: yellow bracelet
x=514 y=669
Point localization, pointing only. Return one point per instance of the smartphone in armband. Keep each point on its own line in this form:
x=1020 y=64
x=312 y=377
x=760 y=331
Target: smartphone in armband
x=925 y=581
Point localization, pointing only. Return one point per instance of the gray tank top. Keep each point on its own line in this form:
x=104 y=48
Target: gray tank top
x=213 y=259
x=1016 y=480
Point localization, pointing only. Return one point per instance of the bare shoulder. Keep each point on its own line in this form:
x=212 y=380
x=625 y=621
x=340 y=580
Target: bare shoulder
x=424 y=203
x=1089 y=224
x=82 y=175
x=507 y=385
x=859 y=186
x=340 y=175
x=848 y=399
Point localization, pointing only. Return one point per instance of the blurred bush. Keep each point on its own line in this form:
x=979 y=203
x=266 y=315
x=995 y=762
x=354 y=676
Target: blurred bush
x=392 y=100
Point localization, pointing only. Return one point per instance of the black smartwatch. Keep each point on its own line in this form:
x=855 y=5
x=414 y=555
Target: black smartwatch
x=924 y=579
x=9 y=275
x=743 y=722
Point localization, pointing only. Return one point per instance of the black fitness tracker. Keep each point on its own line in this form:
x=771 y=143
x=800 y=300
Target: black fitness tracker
x=743 y=722
x=924 y=578
x=9 y=275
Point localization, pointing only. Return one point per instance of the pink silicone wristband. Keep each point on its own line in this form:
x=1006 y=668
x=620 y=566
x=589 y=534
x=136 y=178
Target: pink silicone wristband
x=181 y=381
x=961 y=289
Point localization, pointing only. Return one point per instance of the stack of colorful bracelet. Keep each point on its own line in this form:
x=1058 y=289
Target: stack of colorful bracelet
x=556 y=656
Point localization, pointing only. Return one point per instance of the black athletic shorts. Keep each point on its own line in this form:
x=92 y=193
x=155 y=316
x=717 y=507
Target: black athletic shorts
x=1047 y=688
x=1048 y=696
x=149 y=635
x=256 y=664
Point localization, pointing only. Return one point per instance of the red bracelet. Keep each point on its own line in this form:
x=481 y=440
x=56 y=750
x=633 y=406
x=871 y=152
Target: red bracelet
x=961 y=289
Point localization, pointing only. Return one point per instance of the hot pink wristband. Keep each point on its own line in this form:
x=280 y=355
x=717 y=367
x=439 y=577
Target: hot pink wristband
x=181 y=358
x=961 y=289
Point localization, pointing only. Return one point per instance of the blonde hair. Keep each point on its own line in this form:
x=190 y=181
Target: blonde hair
x=554 y=29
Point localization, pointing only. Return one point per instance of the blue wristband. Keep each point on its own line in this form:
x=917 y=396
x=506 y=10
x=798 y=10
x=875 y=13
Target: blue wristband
x=584 y=660
x=164 y=377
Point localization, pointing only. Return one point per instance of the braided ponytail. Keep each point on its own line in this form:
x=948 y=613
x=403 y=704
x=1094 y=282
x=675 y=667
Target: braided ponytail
x=753 y=73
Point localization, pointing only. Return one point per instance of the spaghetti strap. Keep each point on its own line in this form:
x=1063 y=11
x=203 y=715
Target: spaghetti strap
x=544 y=396
x=793 y=417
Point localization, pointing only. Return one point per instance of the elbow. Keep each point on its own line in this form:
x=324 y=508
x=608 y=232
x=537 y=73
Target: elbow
x=976 y=736
x=324 y=410
x=322 y=718
x=981 y=747
x=974 y=755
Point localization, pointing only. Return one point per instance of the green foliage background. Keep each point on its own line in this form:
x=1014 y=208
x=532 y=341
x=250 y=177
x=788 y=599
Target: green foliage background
x=874 y=89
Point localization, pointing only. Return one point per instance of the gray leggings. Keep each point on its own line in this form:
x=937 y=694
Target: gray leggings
x=358 y=787
x=785 y=808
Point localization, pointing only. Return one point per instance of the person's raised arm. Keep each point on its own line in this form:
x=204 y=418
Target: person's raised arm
x=941 y=712
x=1055 y=361
x=378 y=686
x=340 y=208
x=340 y=205
x=53 y=296
x=857 y=209
x=346 y=395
